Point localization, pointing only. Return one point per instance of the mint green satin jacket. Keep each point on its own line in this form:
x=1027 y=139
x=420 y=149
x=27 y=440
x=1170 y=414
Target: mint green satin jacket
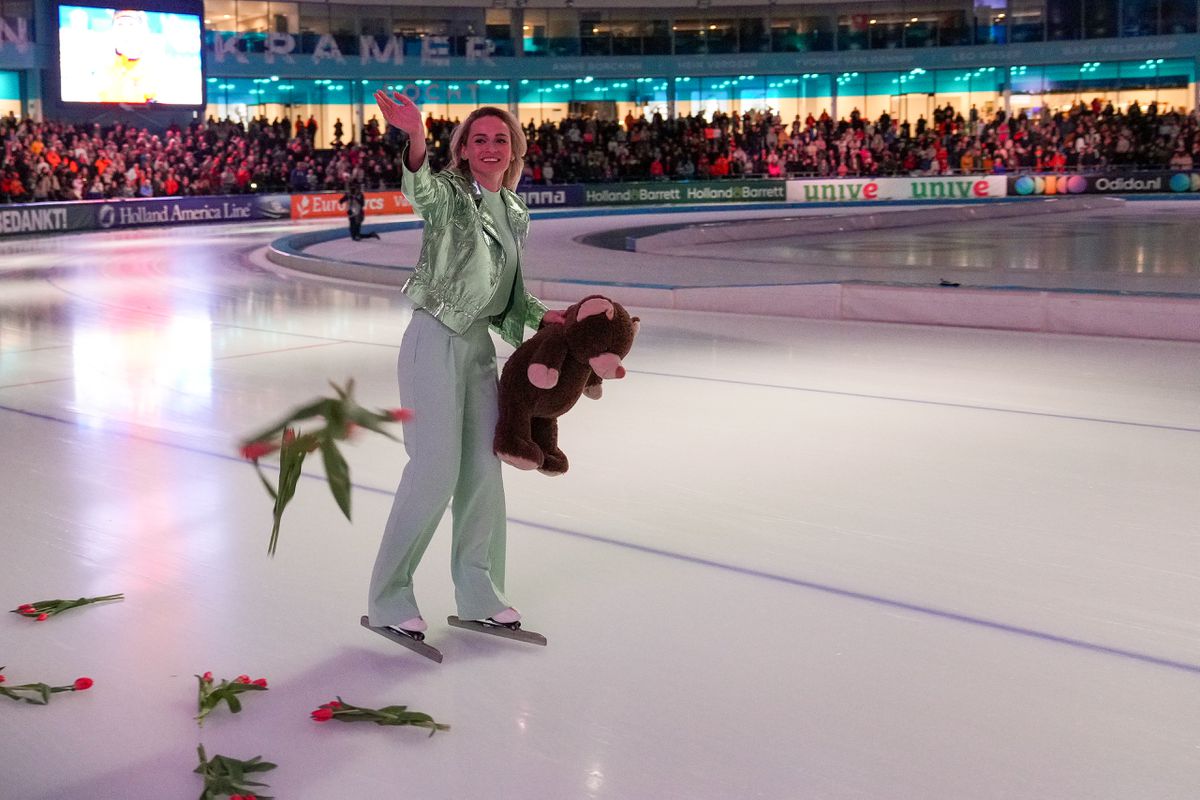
x=461 y=255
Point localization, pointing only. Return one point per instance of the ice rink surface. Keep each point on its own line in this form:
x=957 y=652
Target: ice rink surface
x=792 y=559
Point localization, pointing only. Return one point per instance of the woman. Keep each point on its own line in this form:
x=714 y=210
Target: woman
x=468 y=277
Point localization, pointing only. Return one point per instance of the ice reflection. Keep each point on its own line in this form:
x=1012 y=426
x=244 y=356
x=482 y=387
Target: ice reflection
x=136 y=367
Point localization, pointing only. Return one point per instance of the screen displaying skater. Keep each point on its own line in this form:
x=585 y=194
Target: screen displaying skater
x=121 y=55
x=467 y=280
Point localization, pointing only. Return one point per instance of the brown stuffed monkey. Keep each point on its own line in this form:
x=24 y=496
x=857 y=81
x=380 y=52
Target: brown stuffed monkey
x=545 y=376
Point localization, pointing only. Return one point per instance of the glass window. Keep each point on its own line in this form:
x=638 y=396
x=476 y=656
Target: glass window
x=1178 y=16
x=853 y=31
x=886 y=30
x=285 y=18
x=562 y=27
x=627 y=36
x=375 y=25
x=1095 y=78
x=314 y=18
x=657 y=41
x=802 y=34
x=533 y=32
x=851 y=94
x=883 y=89
x=1027 y=21
x=498 y=27
x=721 y=35
x=799 y=96
x=219 y=15
x=342 y=20
x=991 y=21
x=752 y=35
x=1139 y=17
x=1173 y=84
x=251 y=16
x=595 y=35
x=1100 y=19
x=921 y=30
x=963 y=90
x=689 y=36
x=953 y=29
x=1064 y=20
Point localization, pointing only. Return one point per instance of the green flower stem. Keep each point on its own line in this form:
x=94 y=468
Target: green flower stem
x=224 y=776
x=388 y=715
x=340 y=416
x=53 y=607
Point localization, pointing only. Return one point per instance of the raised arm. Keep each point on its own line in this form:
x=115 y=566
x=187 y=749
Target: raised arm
x=401 y=112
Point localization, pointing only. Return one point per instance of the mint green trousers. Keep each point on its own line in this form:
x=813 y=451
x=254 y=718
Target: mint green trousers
x=450 y=382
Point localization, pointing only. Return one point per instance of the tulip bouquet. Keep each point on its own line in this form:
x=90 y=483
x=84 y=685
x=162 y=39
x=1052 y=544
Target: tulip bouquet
x=39 y=693
x=388 y=715
x=227 y=776
x=341 y=416
x=42 y=610
x=212 y=694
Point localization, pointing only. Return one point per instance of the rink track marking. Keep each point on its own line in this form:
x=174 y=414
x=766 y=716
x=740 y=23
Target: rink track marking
x=810 y=390
x=918 y=401
x=824 y=588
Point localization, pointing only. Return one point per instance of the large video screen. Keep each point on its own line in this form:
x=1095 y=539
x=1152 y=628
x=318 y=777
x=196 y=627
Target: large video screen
x=133 y=56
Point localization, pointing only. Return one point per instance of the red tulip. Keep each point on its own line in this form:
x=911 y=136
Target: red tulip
x=83 y=683
x=322 y=714
x=243 y=678
x=43 y=617
x=208 y=678
x=25 y=608
x=261 y=682
x=333 y=704
x=256 y=450
x=1 y=679
x=400 y=414
x=289 y=435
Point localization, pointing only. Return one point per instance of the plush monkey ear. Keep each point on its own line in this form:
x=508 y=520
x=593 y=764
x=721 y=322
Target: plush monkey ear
x=596 y=305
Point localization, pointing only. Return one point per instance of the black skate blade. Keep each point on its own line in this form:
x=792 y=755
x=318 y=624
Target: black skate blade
x=429 y=651
x=497 y=629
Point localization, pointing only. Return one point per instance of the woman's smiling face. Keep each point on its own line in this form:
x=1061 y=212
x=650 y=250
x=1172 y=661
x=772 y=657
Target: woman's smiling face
x=487 y=150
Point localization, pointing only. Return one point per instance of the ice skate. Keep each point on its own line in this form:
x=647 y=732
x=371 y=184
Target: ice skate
x=411 y=636
x=506 y=624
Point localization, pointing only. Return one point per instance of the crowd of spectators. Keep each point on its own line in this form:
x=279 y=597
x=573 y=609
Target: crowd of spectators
x=1087 y=137
x=61 y=161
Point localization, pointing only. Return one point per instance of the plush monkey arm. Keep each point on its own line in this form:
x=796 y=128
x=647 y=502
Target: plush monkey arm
x=546 y=360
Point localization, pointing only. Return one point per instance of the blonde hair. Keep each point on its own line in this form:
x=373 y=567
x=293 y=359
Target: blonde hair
x=458 y=140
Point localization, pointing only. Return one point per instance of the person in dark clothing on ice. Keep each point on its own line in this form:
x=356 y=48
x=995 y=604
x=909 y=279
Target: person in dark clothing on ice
x=356 y=206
